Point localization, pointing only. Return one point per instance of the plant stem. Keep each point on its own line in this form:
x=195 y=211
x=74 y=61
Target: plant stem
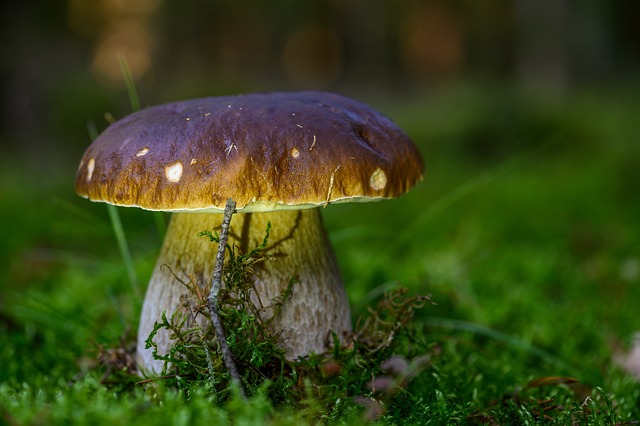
x=213 y=297
x=118 y=230
x=134 y=101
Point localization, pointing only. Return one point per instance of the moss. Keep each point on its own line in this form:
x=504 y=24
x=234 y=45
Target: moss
x=351 y=371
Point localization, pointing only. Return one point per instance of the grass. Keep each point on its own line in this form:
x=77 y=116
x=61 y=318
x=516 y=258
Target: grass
x=524 y=233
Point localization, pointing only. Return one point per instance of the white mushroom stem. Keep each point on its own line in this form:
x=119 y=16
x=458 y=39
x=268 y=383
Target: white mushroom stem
x=298 y=248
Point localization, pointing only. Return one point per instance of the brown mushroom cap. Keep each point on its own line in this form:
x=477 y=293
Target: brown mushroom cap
x=266 y=151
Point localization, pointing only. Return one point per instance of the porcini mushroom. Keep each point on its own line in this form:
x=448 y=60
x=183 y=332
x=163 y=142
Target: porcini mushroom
x=280 y=157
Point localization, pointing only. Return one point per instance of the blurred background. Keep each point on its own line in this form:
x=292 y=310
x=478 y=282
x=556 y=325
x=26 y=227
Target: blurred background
x=60 y=67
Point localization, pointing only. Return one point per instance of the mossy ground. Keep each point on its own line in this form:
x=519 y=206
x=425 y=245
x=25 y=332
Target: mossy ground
x=524 y=233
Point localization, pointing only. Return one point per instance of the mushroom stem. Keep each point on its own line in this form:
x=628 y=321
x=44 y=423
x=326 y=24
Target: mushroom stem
x=299 y=249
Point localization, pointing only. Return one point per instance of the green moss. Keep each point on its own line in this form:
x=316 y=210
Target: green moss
x=534 y=275
x=353 y=371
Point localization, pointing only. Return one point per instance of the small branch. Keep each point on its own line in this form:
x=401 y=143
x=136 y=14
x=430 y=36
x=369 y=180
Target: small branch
x=213 y=297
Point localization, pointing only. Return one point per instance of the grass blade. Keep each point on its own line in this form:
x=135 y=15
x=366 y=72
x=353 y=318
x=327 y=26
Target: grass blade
x=118 y=230
x=496 y=335
x=130 y=83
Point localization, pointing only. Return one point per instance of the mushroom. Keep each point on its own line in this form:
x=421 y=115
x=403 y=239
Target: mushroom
x=280 y=157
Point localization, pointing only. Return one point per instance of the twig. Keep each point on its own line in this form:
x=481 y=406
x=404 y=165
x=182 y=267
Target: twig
x=213 y=297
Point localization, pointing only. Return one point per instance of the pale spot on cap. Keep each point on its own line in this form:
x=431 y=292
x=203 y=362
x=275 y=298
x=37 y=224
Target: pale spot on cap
x=173 y=171
x=378 y=179
x=142 y=152
x=193 y=161
x=90 y=166
x=294 y=152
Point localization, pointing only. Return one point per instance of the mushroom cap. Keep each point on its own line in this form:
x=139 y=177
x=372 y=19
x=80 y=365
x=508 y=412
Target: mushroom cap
x=265 y=151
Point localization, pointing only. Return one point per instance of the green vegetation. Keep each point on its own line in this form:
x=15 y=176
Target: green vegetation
x=524 y=236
